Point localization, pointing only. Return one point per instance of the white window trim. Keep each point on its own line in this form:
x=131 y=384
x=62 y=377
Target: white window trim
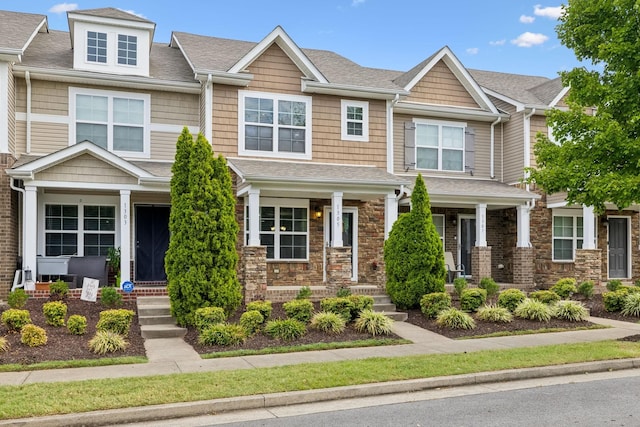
x=118 y=50
x=344 y=103
x=242 y=94
x=146 y=98
x=80 y=202
x=278 y=203
x=441 y=123
x=444 y=226
x=567 y=213
x=86 y=53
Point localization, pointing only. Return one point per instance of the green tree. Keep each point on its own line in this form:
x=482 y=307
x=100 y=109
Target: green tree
x=201 y=259
x=596 y=154
x=413 y=253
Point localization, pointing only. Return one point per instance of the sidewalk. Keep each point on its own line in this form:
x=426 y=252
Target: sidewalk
x=171 y=356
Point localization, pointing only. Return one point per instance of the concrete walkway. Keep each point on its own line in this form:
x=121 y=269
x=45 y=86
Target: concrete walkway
x=173 y=355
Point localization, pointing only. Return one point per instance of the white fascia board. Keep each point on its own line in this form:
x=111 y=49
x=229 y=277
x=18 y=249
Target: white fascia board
x=175 y=40
x=42 y=24
x=91 y=78
x=11 y=55
x=116 y=22
x=443 y=111
x=559 y=96
x=223 y=78
x=282 y=39
x=350 y=90
x=308 y=187
x=89 y=186
x=519 y=105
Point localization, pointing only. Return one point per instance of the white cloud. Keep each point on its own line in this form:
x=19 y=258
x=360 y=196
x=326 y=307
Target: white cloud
x=552 y=12
x=497 y=42
x=133 y=12
x=63 y=7
x=529 y=39
x=473 y=51
x=527 y=19
x=356 y=3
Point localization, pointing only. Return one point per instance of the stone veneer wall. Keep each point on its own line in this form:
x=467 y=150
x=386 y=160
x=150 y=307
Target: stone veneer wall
x=254 y=272
x=339 y=270
x=588 y=265
x=8 y=227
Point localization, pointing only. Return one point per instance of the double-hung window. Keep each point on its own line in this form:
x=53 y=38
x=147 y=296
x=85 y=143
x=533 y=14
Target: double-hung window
x=440 y=146
x=112 y=120
x=438 y=221
x=274 y=125
x=284 y=230
x=355 y=120
x=79 y=229
x=96 y=47
x=567 y=236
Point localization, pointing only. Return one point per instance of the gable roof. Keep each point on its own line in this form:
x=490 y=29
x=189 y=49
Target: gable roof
x=112 y=13
x=17 y=31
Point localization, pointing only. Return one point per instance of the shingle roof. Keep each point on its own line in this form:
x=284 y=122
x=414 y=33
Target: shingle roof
x=477 y=188
x=17 y=28
x=535 y=90
x=404 y=79
x=159 y=169
x=112 y=12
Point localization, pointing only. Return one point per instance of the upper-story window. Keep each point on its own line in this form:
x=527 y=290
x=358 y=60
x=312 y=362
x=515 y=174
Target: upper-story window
x=274 y=125
x=115 y=121
x=97 y=47
x=127 y=49
x=440 y=146
x=355 y=120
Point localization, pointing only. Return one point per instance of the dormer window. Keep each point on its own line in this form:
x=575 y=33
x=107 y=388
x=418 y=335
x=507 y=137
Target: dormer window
x=97 y=47
x=127 y=49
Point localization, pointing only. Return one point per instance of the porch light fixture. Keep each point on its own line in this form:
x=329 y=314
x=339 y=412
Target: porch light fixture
x=317 y=211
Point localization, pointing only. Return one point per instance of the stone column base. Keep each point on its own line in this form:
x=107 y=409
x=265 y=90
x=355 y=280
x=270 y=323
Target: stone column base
x=588 y=265
x=480 y=263
x=254 y=272
x=523 y=266
x=339 y=267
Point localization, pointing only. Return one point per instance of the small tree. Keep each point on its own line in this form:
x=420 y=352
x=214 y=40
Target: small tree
x=201 y=259
x=413 y=253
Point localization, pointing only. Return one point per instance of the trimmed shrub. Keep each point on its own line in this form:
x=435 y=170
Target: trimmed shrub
x=565 y=288
x=533 y=310
x=433 y=303
x=471 y=299
x=208 y=316
x=460 y=284
x=54 y=312
x=614 y=300
x=328 y=322
x=104 y=342
x=304 y=293
x=251 y=321
x=614 y=284
x=455 y=319
x=489 y=285
x=510 y=298
x=631 y=305
x=116 y=320
x=58 y=290
x=77 y=324
x=264 y=307
x=374 y=323
x=285 y=329
x=360 y=303
x=110 y=297
x=4 y=345
x=572 y=311
x=15 y=319
x=586 y=289
x=299 y=309
x=17 y=298
x=223 y=334
x=33 y=336
x=341 y=306
x=493 y=313
x=630 y=289
x=546 y=297
x=343 y=292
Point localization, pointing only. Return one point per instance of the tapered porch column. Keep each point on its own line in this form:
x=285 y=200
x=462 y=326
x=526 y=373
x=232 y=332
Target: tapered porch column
x=336 y=219
x=30 y=225
x=390 y=213
x=125 y=236
x=254 y=217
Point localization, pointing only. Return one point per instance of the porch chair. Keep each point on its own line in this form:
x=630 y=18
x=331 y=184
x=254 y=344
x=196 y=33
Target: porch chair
x=453 y=269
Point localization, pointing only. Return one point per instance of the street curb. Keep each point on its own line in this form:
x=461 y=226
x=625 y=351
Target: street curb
x=210 y=407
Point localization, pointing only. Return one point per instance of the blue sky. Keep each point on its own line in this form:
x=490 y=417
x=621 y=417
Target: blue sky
x=514 y=36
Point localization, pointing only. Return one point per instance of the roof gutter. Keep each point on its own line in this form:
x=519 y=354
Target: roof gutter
x=449 y=112
x=390 y=105
x=527 y=142
x=224 y=78
x=309 y=86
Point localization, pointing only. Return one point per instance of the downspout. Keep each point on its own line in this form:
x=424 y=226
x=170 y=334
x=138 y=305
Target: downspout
x=208 y=109
x=27 y=78
x=20 y=223
x=390 y=105
x=527 y=143
x=492 y=174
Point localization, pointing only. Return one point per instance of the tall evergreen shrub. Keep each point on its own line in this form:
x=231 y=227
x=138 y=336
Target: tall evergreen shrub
x=201 y=259
x=413 y=253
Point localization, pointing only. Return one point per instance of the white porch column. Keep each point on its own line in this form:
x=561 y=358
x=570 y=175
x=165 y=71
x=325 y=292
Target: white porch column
x=254 y=217
x=336 y=219
x=524 y=237
x=30 y=224
x=588 y=228
x=125 y=236
x=390 y=213
x=4 y=109
x=481 y=225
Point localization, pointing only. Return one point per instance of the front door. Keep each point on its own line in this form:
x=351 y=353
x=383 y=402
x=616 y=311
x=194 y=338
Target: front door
x=349 y=236
x=152 y=242
x=618 y=248
x=466 y=241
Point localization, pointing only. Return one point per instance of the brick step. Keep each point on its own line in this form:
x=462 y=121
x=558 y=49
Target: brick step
x=156 y=320
x=162 y=331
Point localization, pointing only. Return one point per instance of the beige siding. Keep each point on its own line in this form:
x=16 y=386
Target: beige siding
x=163 y=145
x=563 y=101
x=513 y=143
x=12 y=111
x=273 y=71
x=441 y=86
x=538 y=124
x=556 y=198
x=86 y=168
x=225 y=120
x=482 y=165
x=21 y=138
x=48 y=137
x=173 y=108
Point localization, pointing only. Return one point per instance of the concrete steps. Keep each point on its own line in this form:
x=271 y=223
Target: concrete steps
x=383 y=304
x=154 y=316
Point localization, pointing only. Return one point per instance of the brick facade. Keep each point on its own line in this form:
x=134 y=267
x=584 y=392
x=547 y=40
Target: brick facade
x=522 y=266
x=8 y=228
x=481 y=263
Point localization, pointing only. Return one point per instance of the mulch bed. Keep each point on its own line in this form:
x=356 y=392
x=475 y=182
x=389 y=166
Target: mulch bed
x=62 y=345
